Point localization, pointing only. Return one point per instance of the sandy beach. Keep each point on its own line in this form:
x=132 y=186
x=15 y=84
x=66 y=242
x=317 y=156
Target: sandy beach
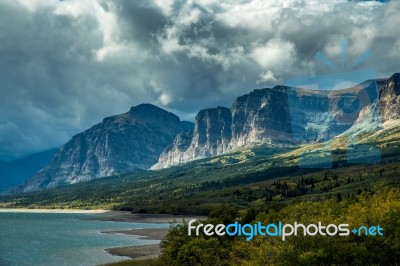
x=147 y=251
x=143 y=233
x=140 y=252
x=137 y=252
x=52 y=210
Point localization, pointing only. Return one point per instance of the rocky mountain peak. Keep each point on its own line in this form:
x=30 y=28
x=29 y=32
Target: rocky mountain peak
x=261 y=114
x=121 y=143
x=144 y=113
x=392 y=85
x=147 y=109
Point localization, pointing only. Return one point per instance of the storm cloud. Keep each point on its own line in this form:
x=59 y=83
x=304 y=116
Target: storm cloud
x=65 y=65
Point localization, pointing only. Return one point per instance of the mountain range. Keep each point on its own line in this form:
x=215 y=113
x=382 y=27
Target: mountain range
x=148 y=137
x=283 y=115
x=119 y=144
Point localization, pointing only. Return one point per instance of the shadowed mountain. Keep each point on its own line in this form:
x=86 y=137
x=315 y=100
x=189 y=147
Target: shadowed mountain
x=122 y=143
x=18 y=171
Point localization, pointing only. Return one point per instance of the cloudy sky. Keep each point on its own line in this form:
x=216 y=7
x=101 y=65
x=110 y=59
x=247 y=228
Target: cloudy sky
x=65 y=65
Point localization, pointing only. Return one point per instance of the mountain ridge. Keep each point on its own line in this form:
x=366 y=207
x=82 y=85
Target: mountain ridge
x=279 y=116
x=121 y=143
x=288 y=114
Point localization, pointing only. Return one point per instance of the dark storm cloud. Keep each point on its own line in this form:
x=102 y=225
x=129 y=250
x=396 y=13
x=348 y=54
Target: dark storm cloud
x=139 y=20
x=67 y=64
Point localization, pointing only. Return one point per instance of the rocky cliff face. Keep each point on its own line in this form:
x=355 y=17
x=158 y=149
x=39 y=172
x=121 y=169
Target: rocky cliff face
x=119 y=144
x=274 y=115
x=389 y=99
x=384 y=112
x=211 y=136
x=260 y=115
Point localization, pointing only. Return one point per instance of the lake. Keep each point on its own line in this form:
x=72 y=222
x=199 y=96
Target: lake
x=62 y=239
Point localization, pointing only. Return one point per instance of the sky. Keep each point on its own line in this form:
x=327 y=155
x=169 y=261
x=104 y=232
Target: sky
x=65 y=65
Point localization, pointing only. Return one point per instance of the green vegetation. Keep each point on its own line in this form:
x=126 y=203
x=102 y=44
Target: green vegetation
x=368 y=209
x=257 y=176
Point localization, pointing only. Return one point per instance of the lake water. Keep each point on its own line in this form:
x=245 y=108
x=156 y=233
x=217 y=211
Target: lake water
x=62 y=239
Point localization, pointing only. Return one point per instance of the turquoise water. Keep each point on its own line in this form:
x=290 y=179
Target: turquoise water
x=62 y=239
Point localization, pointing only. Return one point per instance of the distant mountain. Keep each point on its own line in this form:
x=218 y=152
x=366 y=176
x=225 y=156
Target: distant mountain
x=121 y=143
x=281 y=117
x=284 y=115
x=18 y=171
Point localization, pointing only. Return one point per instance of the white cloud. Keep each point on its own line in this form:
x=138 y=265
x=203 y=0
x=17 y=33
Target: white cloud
x=268 y=77
x=165 y=6
x=275 y=54
x=33 y=5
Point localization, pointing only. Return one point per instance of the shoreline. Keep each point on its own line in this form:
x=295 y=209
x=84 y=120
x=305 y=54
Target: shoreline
x=144 y=252
x=26 y=210
x=123 y=216
x=141 y=252
x=142 y=233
